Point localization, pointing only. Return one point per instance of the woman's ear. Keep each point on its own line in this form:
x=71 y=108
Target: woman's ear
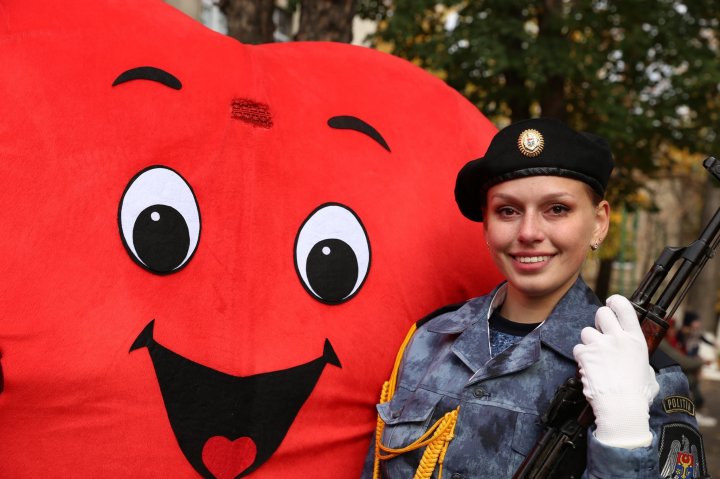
x=602 y=221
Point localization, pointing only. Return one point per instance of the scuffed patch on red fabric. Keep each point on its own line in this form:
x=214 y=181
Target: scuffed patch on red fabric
x=249 y=111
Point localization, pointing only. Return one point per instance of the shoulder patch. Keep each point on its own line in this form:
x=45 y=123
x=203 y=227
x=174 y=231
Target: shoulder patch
x=674 y=404
x=682 y=454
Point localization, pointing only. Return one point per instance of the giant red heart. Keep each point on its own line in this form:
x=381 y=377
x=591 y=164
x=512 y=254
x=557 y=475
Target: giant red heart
x=203 y=239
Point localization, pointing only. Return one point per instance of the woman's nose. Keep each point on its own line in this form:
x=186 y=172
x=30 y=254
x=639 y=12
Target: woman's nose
x=531 y=230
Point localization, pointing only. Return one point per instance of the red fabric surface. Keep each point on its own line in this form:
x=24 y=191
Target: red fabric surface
x=76 y=401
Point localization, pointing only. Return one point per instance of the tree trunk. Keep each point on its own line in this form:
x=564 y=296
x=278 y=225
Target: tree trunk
x=326 y=20
x=602 y=282
x=250 y=21
x=703 y=296
x=552 y=93
x=552 y=101
x=519 y=104
x=192 y=8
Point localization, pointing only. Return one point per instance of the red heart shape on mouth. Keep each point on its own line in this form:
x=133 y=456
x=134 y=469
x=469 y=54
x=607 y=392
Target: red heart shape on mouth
x=225 y=459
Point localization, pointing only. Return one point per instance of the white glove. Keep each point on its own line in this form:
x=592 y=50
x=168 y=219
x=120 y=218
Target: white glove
x=617 y=379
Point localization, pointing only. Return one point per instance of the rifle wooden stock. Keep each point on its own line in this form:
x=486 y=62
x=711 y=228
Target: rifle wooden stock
x=560 y=451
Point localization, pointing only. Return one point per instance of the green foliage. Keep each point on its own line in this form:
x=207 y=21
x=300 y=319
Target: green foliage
x=641 y=73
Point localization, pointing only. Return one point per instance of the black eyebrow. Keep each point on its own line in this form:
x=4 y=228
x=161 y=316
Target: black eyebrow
x=346 y=122
x=149 y=73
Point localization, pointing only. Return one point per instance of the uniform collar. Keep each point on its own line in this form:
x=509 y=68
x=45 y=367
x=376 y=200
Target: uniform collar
x=470 y=323
x=560 y=331
x=470 y=313
x=575 y=311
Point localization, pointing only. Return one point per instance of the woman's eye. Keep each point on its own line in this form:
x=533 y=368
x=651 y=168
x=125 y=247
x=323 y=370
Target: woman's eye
x=159 y=220
x=505 y=211
x=559 y=209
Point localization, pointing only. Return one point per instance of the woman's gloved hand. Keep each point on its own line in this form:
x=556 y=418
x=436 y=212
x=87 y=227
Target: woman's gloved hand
x=617 y=379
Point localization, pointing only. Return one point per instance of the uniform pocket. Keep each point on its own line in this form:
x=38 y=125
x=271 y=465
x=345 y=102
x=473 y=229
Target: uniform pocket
x=407 y=416
x=527 y=433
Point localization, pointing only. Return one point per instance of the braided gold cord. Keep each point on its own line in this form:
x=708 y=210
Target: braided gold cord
x=437 y=447
x=449 y=438
x=437 y=438
x=386 y=395
x=379 y=430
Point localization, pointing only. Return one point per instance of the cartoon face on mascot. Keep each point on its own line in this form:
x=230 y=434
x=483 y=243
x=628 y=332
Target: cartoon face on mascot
x=211 y=252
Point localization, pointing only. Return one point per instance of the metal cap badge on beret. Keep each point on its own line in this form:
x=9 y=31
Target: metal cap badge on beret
x=536 y=147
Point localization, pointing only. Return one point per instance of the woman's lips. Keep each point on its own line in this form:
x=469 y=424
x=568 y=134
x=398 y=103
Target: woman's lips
x=531 y=262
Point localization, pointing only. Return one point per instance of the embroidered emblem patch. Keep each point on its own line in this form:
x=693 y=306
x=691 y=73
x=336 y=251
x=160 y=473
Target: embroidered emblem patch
x=531 y=143
x=682 y=455
x=674 y=404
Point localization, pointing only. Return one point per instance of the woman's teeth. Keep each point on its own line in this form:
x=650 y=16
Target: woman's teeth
x=532 y=259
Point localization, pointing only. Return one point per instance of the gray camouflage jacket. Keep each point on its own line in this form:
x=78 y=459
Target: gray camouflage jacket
x=448 y=364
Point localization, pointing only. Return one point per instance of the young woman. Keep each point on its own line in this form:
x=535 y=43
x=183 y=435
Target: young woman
x=470 y=385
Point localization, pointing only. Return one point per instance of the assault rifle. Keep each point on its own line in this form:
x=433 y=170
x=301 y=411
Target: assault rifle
x=560 y=451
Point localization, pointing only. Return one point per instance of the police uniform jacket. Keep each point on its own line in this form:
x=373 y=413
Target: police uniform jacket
x=448 y=364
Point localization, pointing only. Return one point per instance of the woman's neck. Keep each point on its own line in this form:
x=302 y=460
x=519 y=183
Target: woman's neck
x=521 y=308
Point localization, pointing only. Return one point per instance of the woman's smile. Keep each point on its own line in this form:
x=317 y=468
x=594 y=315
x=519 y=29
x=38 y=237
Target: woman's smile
x=534 y=259
x=539 y=230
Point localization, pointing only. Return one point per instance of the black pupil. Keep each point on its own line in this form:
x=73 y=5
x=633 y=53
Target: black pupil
x=161 y=238
x=332 y=269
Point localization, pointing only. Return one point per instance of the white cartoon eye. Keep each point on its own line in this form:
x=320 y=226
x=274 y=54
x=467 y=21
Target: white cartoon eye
x=159 y=220
x=332 y=253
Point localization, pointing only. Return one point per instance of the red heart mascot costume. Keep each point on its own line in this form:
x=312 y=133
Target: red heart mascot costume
x=211 y=252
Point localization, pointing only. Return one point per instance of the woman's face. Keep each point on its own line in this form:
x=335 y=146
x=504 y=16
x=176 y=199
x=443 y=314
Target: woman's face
x=539 y=230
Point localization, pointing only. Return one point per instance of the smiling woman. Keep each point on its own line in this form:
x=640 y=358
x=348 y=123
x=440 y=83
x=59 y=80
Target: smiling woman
x=482 y=374
x=538 y=230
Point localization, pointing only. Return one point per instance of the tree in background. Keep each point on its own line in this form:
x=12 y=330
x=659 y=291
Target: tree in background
x=643 y=74
x=326 y=20
x=639 y=73
x=251 y=21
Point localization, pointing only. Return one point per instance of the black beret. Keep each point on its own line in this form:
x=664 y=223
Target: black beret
x=536 y=147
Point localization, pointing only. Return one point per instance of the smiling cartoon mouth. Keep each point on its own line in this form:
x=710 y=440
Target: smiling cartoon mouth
x=228 y=426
